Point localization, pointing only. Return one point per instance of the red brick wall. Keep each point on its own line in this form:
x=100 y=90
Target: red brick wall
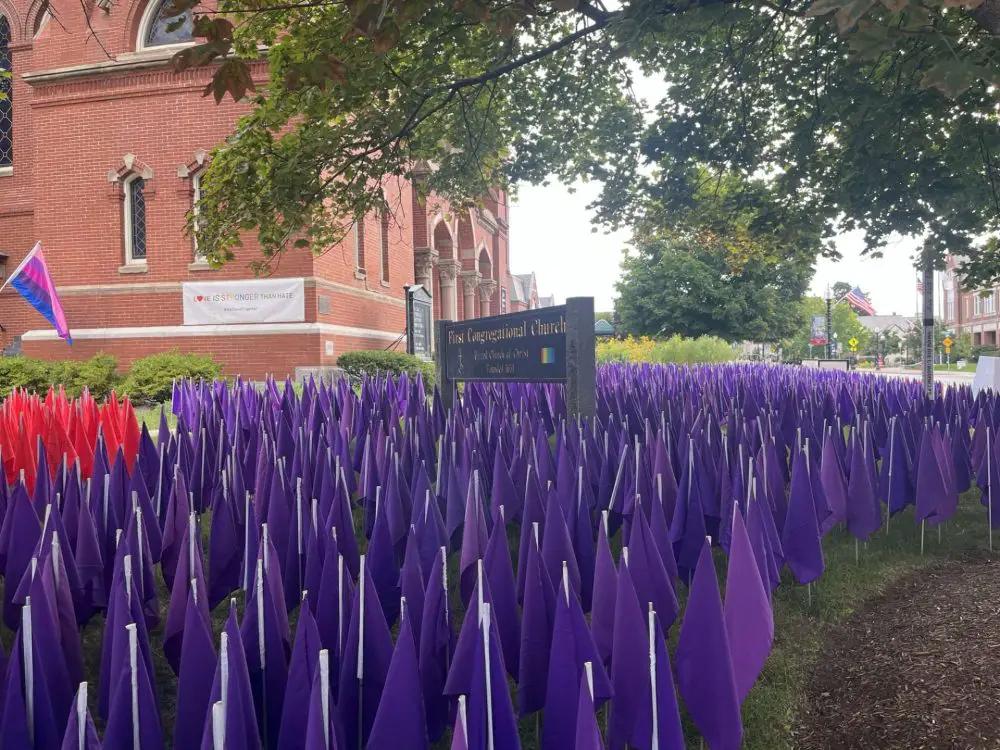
x=70 y=132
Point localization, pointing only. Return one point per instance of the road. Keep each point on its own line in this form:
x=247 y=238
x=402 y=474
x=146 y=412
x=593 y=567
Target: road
x=944 y=377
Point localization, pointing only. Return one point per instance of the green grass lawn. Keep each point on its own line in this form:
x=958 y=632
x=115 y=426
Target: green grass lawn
x=967 y=367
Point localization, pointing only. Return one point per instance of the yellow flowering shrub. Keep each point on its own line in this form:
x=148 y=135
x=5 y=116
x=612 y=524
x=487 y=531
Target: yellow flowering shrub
x=675 y=349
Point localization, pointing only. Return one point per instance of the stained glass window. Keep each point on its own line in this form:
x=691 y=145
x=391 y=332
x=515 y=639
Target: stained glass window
x=135 y=221
x=168 y=27
x=6 y=104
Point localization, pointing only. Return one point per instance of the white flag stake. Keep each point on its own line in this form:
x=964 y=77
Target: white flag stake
x=298 y=522
x=485 y=619
x=218 y=726
x=159 y=484
x=481 y=600
x=652 y=678
x=888 y=498
x=265 y=548
x=81 y=717
x=56 y=554
x=989 y=489
x=138 y=532
x=461 y=723
x=361 y=647
x=127 y=567
x=565 y=580
x=340 y=602
x=192 y=541
x=224 y=670
x=29 y=667
x=246 y=543
x=133 y=665
x=444 y=587
x=261 y=648
x=324 y=693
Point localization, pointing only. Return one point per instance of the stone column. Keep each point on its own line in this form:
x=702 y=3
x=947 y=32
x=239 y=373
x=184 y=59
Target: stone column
x=448 y=270
x=470 y=280
x=486 y=290
x=424 y=259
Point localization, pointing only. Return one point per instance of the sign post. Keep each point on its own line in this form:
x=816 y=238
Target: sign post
x=418 y=321
x=948 y=341
x=546 y=345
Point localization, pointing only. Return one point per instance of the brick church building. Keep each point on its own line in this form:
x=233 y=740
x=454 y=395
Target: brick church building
x=102 y=149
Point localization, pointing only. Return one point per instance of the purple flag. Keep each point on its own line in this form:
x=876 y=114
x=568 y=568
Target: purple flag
x=194 y=679
x=704 y=665
x=572 y=647
x=20 y=727
x=133 y=719
x=323 y=729
x=503 y=595
x=536 y=632
x=864 y=514
x=401 y=720
x=602 y=616
x=81 y=734
x=437 y=643
x=490 y=721
x=365 y=662
x=629 y=662
x=238 y=721
x=305 y=662
x=801 y=540
x=588 y=733
x=749 y=621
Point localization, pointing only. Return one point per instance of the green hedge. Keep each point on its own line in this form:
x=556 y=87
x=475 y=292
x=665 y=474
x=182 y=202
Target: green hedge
x=150 y=379
x=361 y=363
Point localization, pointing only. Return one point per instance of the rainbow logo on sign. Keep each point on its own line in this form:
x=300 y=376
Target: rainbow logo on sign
x=548 y=355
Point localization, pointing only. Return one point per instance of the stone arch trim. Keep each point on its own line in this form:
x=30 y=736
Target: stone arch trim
x=13 y=22
x=128 y=166
x=34 y=9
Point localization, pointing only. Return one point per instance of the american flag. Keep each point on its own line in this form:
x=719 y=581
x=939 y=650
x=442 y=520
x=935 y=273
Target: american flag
x=857 y=299
x=920 y=286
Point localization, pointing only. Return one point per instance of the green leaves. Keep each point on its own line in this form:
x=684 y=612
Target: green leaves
x=953 y=77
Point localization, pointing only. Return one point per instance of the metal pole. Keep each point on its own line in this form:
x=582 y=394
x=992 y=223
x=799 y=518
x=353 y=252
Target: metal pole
x=829 y=325
x=928 y=342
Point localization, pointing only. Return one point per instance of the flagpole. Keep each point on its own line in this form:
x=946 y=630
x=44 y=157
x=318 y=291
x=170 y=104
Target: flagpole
x=29 y=667
x=133 y=663
x=81 y=716
x=324 y=691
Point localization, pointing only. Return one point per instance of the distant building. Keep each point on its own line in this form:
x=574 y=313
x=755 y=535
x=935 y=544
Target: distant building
x=524 y=292
x=968 y=310
x=899 y=324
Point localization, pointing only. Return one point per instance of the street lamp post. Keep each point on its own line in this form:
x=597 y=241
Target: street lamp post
x=829 y=324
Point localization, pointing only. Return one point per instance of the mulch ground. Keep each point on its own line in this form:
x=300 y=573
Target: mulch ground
x=918 y=667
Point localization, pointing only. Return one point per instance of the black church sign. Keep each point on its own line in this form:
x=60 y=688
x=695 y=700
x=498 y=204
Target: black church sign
x=524 y=346
x=545 y=345
x=418 y=321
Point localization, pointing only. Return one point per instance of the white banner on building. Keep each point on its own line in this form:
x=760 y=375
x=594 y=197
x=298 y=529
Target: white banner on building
x=244 y=301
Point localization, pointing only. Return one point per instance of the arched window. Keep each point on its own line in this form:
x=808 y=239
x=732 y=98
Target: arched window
x=6 y=103
x=385 y=247
x=134 y=222
x=161 y=26
x=359 y=245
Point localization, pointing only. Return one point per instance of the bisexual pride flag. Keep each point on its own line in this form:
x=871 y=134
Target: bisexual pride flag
x=33 y=281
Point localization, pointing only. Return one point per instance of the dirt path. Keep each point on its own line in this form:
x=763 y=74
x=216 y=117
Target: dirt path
x=916 y=668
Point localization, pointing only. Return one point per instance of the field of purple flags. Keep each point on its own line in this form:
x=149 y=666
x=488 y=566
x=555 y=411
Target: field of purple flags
x=356 y=568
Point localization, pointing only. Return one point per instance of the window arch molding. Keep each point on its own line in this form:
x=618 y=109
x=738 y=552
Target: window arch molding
x=152 y=32
x=133 y=187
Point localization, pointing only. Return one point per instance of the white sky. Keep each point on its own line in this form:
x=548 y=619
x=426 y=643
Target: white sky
x=550 y=234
